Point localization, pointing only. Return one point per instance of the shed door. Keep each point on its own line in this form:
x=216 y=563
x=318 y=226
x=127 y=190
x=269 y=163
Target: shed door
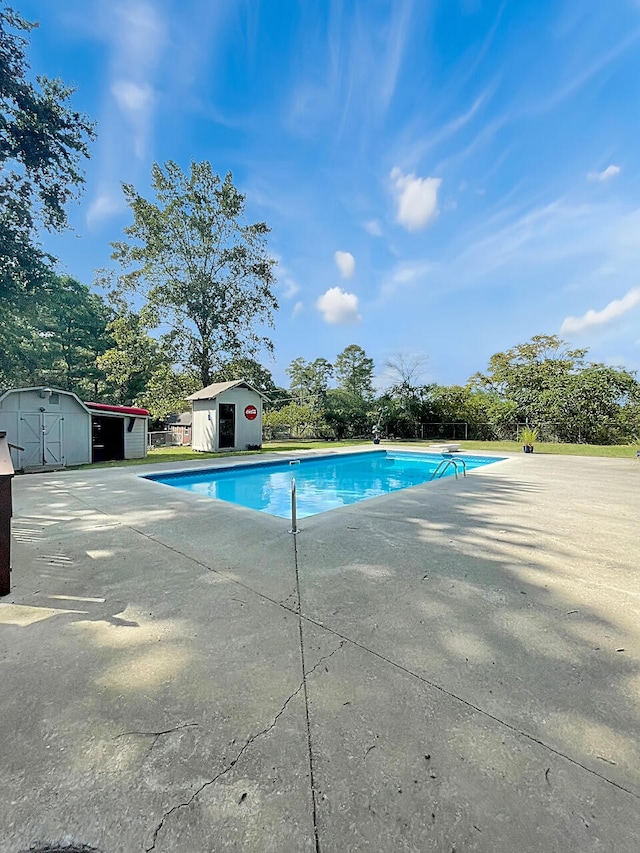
x=31 y=439
x=227 y=425
x=41 y=435
x=53 y=451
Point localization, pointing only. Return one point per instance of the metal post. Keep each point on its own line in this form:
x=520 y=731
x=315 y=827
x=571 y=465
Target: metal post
x=6 y=474
x=294 y=509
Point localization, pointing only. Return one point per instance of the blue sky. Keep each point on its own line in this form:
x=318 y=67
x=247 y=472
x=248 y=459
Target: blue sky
x=444 y=178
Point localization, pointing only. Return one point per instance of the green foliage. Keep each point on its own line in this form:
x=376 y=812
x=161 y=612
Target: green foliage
x=348 y=415
x=204 y=272
x=55 y=339
x=528 y=436
x=548 y=384
x=354 y=372
x=133 y=358
x=310 y=380
x=249 y=370
x=299 y=420
x=42 y=141
x=166 y=390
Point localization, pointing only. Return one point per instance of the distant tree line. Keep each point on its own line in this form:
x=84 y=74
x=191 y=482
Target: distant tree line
x=542 y=383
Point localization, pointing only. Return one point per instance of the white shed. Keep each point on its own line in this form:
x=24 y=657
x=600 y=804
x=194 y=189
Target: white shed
x=53 y=427
x=226 y=416
x=56 y=429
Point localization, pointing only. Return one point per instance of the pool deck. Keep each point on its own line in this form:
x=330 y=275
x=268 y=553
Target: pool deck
x=453 y=667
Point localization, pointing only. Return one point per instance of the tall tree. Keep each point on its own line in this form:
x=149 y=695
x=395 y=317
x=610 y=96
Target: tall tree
x=249 y=370
x=550 y=384
x=199 y=265
x=310 y=379
x=406 y=371
x=134 y=356
x=56 y=338
x=42 y=141
x=354 y=372
x=72 y=325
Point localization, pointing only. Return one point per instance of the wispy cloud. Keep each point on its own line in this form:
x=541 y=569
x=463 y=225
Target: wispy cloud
x=585 y=75
x=607 y=174
x=373 y=227
x=403 y=275
x=346 y=263
x=105 y=205
x=338 y=307
x=416 y=199
x=350 y=72
x=395 y=40
x=592 y=319
x=137 y=36
x=287 y=285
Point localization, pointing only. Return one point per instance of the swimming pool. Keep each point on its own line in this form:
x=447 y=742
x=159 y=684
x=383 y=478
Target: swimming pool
x=322 y=482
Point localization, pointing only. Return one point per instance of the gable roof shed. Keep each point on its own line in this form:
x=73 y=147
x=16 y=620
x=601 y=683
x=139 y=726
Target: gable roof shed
x=217 y=388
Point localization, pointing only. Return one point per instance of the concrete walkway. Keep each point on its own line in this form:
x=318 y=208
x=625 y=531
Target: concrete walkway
x=454 y=667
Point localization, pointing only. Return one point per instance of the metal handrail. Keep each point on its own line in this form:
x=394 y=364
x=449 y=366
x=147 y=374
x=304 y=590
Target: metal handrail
x=444 y=464
x=294 y=507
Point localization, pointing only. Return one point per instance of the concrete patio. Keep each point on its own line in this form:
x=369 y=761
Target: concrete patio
x=451 y=668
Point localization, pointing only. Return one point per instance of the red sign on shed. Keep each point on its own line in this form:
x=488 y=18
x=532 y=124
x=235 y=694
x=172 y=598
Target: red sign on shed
x=250 y=413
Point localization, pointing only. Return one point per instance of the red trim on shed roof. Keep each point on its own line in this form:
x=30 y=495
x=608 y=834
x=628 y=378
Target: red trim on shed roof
x=120 y=410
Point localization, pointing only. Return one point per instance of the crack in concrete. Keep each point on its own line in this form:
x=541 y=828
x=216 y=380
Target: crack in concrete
x=314 y=804
x=400 y=667
x=156 y=735
x=239 y=755
x=287 y=599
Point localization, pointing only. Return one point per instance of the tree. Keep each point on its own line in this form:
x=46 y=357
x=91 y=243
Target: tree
x=296 y=418
x=72 y=325
x=206 y=273
x=133 y=358
x=533 y=375
x=348 y=415
x=405 y=371
x=310 y=379
x=249 y=370
x=405 y=402
x=548 y=383
x=56 y=338
x=354 y=372
x=42 y=141
x=166 y=390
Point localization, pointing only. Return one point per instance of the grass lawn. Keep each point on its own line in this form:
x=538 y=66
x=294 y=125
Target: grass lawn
x=185 y=454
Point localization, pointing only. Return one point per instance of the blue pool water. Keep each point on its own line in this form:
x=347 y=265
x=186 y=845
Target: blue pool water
x=322 y=483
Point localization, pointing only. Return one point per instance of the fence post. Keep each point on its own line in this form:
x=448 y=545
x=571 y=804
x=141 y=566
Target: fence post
x=6 y=475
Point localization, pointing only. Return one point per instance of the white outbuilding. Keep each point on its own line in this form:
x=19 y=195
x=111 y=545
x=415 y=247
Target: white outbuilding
x=226 y=416
x=55 y=428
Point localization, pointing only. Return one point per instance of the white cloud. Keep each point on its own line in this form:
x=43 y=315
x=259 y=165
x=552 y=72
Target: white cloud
x=373 y=227
x=105 y=205
x=287 y=284
x=616 y=308
x=607 y=174
x=346 y=264
x=338 y=307
x=297 y=309
x=290 y=287
x=417 y=199
x=132 y=97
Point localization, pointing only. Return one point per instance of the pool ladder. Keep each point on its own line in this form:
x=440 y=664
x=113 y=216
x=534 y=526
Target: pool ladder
x=444 y=464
